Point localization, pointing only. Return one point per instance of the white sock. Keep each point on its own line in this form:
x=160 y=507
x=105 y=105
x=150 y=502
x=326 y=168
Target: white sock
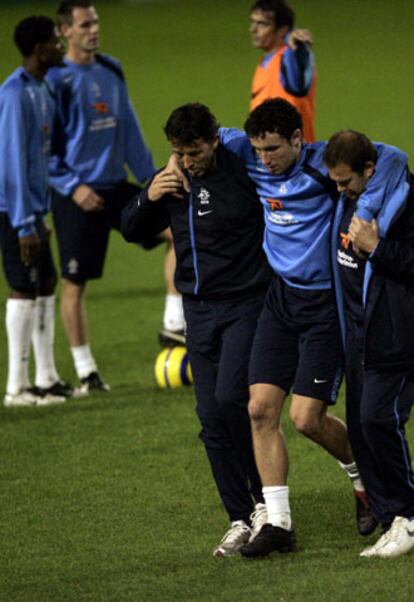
x=277 y=506
x=173 y=312
x=83 y=360
x=19 y=327
x=353 y=473
x=43 y=338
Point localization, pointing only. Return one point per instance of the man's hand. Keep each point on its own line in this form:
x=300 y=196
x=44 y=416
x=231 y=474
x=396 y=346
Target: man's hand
x=165 y=182
x=174 y=166
x=29 y=249
x=364 y=235
x=87 y=199
x=299 y=35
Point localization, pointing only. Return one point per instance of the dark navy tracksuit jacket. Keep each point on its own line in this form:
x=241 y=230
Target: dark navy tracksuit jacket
x=380 y=364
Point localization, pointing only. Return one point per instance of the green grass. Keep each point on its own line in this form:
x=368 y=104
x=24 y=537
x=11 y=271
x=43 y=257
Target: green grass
x=111 y=498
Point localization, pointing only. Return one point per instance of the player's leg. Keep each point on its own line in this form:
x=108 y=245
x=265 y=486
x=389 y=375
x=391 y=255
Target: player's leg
x=47 y=379
x=83 y=240
x=239 y=319
x=371 y=500
x=19 y=326
x=204 y=346
x=73 y=312
x=173 y=323
x=272 y=368
x=317 y=380
x=265 y=409
x=20 y=317
x=385 y=408
x=310 y=417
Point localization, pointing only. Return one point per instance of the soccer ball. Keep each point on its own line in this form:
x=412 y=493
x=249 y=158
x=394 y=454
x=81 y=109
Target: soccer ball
x=172 y=368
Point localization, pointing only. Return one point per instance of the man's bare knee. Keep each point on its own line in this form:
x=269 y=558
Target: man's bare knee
x=307 y=425
x=265 y=404
x=260 y=409
x=307 y=416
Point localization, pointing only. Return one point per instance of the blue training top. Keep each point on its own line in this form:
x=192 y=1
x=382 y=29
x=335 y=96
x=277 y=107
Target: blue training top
x=26 y=117
x=298 y=208
x=98 y=133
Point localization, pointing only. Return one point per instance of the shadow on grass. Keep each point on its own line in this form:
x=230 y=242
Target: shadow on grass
x=124 y=398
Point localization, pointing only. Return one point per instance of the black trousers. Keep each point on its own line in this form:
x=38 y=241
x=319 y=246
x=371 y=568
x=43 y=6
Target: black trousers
x=378 y=406
x=219 y=339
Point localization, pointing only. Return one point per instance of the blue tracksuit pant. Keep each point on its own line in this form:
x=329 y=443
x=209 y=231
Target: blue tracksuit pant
x=219 y=339
x=378 y=406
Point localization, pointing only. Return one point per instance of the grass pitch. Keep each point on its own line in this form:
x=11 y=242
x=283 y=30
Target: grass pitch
x=111 y=498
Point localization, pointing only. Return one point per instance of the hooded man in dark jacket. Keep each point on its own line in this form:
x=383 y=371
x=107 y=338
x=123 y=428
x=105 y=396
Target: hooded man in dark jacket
x=373 y=261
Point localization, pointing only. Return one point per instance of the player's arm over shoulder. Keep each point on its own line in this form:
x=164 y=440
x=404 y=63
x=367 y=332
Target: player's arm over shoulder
x=236 y=141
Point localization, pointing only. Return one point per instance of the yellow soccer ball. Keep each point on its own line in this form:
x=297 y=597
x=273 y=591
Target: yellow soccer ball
x=172 y=368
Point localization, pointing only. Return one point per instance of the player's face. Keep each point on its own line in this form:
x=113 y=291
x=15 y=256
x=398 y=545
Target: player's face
x=263 y=31
x=52 y=52
x=196 y=158
x=350 y=182
x=83 y=33
x=277 y=153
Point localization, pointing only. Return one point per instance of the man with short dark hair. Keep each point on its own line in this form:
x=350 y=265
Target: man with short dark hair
x=374 y=274
x=287 y=69
x=26 y=118
x=223 y=275
x=97 y=135
x=297 y=345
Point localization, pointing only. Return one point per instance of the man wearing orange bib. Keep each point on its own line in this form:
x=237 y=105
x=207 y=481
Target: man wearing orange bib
x=287 y=68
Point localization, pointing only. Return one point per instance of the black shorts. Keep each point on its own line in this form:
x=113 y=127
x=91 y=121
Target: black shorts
x=22 y=278
x=83 y=236
x=297 y=345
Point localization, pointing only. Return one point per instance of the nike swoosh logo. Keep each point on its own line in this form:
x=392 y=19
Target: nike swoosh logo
x=319 y=382
x=201 y=213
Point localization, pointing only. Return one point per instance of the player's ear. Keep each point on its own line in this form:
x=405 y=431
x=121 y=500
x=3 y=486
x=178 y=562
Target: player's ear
x=216 y=141
x=369 y=169
x=297 y=138
x=65 y=30
x=283 y=31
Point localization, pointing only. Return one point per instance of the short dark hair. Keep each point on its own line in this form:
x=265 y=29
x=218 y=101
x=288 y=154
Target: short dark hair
x=273 y=116
x=65 y=10
x=31 y=31
x=282 y=12
x=191 y=122
x=351 y=148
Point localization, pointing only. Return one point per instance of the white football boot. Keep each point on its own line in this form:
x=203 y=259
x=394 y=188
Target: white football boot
x=398 y=540
x=19 y=400
x=258 y=519
x=234 y=539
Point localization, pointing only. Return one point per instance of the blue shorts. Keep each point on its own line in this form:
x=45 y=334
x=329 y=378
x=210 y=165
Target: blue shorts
x=20 y=277
x=297 y=345
x=83 y=236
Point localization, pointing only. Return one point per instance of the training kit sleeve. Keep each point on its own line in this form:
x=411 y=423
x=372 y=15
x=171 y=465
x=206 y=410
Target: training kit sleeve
x=26 y=115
